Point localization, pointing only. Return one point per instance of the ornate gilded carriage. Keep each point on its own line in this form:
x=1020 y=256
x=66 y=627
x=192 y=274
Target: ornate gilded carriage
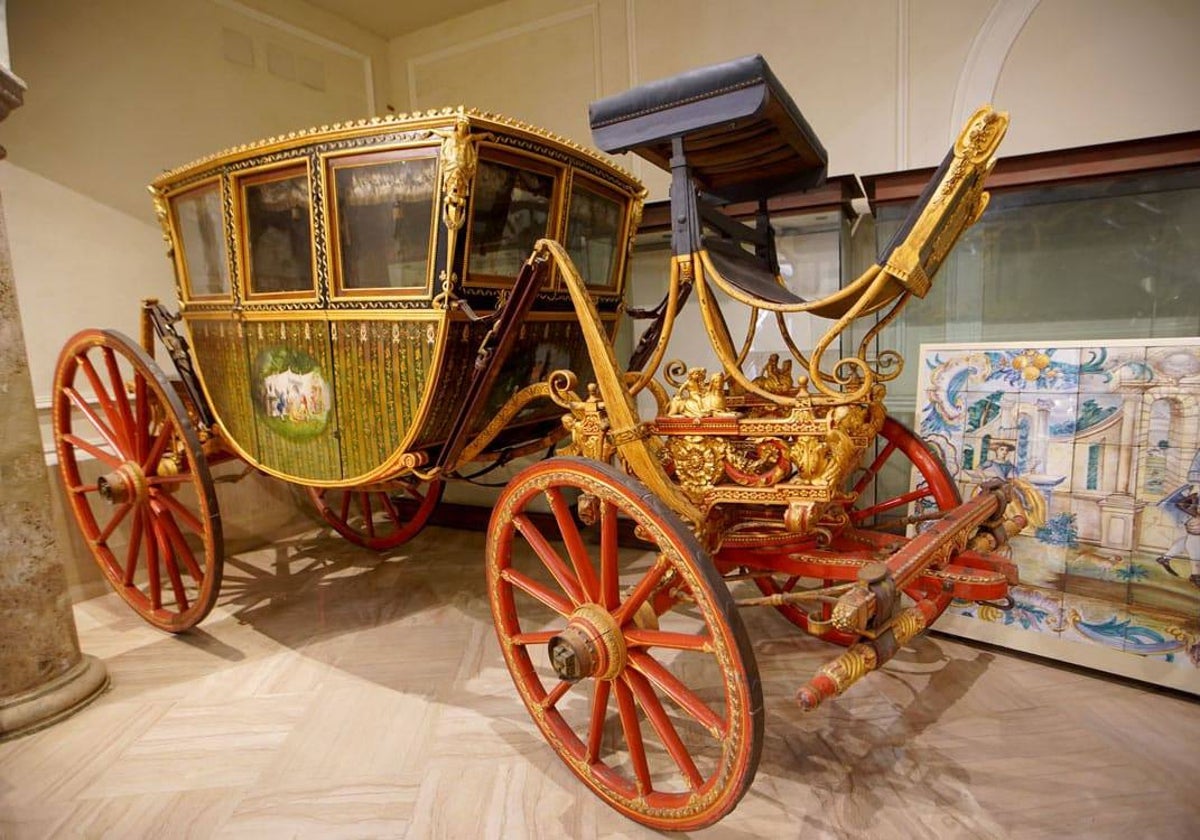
x=369 y=307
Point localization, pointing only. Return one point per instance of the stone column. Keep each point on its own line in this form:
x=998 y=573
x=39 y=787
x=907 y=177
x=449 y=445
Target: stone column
x=43 y=675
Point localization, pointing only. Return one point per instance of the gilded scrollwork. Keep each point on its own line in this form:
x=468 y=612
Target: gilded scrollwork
x=758 y=463
x=459 y=159
x=698 y=461
x=589 y=428
x=162 y=212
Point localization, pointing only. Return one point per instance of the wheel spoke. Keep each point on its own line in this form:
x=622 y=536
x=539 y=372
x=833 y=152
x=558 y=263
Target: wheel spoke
x=531 y=587
x=182 y=549
x=150 y=464
x=389 y=508
x=110 y=437
x=633 y=737
x=637 y=637
x=120 y=397
x=186 y=516
x=609 y=558
x=106 y=403
x=549 y=557
x=118 y=515
x=152 y=571
x=93 y=450
x=555 y=694
x=600 y=694
x=364 y=504
x=135 y=542
x=663 y=726
x=684 y=697
x=902 y=499
x=875 y=467
x=576 y=550
x=643 y=591
x=539 y=637
x=168 y=561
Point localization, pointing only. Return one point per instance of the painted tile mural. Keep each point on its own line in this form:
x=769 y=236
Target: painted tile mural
x=1102 y=441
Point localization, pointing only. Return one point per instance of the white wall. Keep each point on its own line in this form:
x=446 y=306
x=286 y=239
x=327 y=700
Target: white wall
x=885 y=83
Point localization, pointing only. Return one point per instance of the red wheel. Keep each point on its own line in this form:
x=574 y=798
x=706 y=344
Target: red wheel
x=379 y=519
x=137 y=479
x=633 y=662
x=884 y=502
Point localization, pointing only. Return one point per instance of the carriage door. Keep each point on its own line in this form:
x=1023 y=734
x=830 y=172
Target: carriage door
x=382 y=325
x=290 y=382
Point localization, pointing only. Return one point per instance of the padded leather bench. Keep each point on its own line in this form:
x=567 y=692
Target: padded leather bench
x=743 y=136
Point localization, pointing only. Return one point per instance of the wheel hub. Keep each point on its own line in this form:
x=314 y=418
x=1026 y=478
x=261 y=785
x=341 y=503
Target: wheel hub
x=127 y=483
x=591 y=645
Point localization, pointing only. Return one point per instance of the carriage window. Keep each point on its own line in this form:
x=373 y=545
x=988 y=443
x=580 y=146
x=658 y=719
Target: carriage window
x=198 y=221
x=511 y=213
x=385 y=215
x=593 y=228
x=278 y=232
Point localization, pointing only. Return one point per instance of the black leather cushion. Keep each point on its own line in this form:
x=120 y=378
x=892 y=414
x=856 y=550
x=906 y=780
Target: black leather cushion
x=743 y=134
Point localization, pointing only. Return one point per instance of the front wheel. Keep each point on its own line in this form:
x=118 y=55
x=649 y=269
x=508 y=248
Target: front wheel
x=633 y=661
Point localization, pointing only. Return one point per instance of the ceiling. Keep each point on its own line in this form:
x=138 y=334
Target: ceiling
x=390 y=18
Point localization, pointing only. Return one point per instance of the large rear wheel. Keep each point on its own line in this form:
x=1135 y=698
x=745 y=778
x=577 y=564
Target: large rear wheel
x=136 y=479
x=632 y=661
x=378 y=518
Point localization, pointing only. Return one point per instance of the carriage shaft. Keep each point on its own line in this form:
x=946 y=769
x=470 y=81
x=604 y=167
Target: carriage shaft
x=860 y=659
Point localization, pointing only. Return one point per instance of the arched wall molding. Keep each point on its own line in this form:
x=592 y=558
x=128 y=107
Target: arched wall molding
x=985 y=60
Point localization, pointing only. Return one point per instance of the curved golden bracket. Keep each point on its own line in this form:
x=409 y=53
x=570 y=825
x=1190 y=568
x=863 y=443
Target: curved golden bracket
x=635 y=449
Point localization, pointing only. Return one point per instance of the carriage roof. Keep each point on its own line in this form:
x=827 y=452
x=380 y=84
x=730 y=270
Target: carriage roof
x=374 y=126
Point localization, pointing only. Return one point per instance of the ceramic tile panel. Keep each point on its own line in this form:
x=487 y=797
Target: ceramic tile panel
x=1102 y=444
x=1153 y=587
x=1034 y=609
x=1163 y=636
x=1093 y=572
x=1103 y=366
x=1042 y=564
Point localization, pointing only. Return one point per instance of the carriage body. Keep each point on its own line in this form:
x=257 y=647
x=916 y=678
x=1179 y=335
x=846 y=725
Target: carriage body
x=335 y=285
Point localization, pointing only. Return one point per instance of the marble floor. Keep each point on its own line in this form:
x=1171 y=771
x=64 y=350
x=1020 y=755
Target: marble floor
x=337 y=693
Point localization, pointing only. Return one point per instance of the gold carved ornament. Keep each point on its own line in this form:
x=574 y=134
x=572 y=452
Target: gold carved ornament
x=458 y=159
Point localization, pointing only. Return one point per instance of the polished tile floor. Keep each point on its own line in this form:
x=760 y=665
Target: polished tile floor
x=337 y=693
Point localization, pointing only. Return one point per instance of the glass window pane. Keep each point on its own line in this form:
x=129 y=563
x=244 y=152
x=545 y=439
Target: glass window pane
x=1111 y=258
x=593 y=225
x=384 y=213
x=198 y=220
x=279 y=235
x=511 y=213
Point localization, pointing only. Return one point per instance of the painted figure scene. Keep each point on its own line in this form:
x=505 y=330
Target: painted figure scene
x=1103 y=444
